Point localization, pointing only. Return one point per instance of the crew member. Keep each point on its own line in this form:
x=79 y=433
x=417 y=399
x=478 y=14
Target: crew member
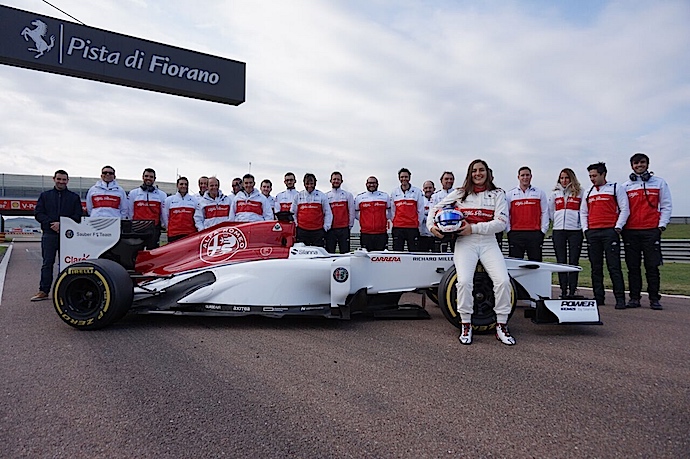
x=426 y=237
x=447 y=182
x=564 y=210
x=146 y=203
x=313 y=216
x=604 y=212
x=650 y=212
x=53 y=204
x=372 y=209
x=178 y=211
x=266 y=188
x=236 y=185
x=528 y=218
x=343 y=208
x=249 y=204
x=285 y=198
x=213 y=208
x=485 y=209
x=106 y=198
x=203 y=186
x=407 y=212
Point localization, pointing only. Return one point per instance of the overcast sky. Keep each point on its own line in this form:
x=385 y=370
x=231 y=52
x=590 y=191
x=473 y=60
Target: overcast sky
x=369 y=86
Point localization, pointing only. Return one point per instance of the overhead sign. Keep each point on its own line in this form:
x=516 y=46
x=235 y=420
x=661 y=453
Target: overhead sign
x=44 y=43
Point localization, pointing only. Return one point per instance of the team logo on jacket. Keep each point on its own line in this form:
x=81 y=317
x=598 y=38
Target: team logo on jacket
x=221 y=245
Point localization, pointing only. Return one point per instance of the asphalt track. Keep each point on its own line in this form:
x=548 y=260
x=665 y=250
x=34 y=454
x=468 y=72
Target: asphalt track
x=154 y=386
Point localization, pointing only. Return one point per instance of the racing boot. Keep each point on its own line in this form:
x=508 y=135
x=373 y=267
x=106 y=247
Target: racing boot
x=503 y=335
x=466 y=334
x=633 y=304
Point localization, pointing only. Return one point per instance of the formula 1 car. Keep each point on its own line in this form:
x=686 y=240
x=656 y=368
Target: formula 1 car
x=239 y=269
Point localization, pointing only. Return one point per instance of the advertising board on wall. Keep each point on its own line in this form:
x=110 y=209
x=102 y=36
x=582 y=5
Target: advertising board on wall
x=48 y=44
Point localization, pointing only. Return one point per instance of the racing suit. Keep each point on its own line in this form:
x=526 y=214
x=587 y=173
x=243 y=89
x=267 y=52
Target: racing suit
x=146 y=203
x=343 y=208
x=603 y=213
x=372 y=209
x=178 y=215
x=210 y=212
x=650 y=213
x=313 y=217
x=407 y=214
x=253 y=207
x=564 y=211
x=284 y=199
x=486 y=212
x=528 y=222
x=107 y=200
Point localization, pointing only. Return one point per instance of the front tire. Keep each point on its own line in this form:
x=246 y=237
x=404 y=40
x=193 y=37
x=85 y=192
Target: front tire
x=93 y=294
x=483 y=316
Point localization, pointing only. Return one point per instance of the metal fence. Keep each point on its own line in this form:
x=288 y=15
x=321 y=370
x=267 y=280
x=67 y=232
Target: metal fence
x=671 y=249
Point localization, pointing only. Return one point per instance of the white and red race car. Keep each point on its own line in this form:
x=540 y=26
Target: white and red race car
x=239 y=269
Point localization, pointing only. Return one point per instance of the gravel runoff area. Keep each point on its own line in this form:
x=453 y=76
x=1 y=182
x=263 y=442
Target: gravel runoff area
x=154 y=386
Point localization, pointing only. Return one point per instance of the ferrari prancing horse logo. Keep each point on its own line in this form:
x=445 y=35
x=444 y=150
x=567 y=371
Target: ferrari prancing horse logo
x=38 y=35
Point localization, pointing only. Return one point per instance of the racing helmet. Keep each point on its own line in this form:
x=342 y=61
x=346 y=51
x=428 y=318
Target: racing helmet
x=449 y=219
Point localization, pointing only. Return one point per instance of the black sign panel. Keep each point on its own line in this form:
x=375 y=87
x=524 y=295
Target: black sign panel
x=44 y=43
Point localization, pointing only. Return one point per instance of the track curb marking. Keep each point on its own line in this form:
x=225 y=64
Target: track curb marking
x=3 y=267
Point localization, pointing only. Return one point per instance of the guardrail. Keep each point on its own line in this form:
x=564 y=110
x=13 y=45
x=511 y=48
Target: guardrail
x=671 y=249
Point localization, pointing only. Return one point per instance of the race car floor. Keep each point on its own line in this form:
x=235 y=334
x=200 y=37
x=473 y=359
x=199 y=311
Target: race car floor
x=159 y=387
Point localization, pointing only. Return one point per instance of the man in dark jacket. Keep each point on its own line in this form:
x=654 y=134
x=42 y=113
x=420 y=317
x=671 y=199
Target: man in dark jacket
x=51 y=205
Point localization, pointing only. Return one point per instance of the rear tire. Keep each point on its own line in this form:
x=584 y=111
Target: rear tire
x=93 y=294
x=483 y=316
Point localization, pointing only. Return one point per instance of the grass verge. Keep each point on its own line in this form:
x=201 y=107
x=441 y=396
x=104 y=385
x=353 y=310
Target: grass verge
x=674 y=277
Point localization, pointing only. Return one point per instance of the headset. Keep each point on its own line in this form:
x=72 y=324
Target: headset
x=149 y=188
x=645 y=176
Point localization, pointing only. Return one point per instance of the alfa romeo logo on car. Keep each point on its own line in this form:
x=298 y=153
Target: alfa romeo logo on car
x=221 y=245
x=69 y=234
x=340 y=274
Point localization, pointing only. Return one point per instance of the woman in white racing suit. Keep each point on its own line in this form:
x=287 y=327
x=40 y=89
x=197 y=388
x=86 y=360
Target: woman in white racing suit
x=485 y=209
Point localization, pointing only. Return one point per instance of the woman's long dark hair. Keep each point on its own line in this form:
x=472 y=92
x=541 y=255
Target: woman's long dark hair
x=468 y=185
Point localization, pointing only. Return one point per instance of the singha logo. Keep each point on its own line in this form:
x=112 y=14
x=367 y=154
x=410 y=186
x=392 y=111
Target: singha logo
x=38 y=36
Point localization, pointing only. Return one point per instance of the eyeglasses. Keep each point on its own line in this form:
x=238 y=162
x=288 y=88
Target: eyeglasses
x=107 y=173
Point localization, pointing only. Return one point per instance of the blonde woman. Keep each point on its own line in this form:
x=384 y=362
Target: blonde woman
x=564 y=211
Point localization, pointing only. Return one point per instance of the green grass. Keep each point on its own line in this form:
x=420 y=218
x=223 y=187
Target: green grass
x=673 y=231
x=674 y=277
x=676 y=231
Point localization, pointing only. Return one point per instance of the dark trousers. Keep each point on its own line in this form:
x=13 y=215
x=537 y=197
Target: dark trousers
x=402 y=235
x=373 y=241
x=520 y=242
x=50 y=244
x=647 y=243
x=568 y=244
x=426 y=243
x=339 y=237
x=311 y=237
x=605 y=243
x=176 y=238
